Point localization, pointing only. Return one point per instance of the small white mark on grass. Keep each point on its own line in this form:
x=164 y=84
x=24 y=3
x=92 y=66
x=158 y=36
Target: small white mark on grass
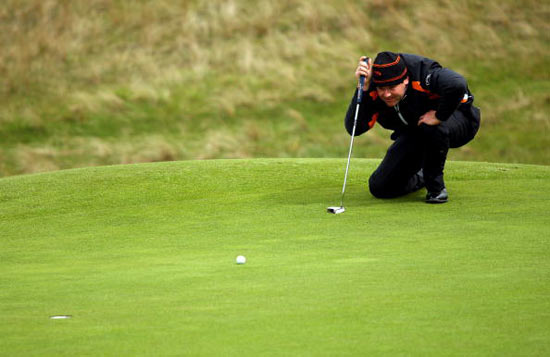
x=60 y=317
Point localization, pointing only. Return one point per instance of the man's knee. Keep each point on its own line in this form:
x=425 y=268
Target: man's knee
x=434 y=132
x=378 y=186
x=436 y=137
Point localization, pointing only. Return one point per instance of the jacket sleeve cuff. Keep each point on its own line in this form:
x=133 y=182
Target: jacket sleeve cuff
x=442 y=115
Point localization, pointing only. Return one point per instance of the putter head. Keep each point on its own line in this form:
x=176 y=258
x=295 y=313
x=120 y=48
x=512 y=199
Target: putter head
x=336 y=210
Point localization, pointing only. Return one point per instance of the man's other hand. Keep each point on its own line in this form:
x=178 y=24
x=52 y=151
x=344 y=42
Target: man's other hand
x=429 y=119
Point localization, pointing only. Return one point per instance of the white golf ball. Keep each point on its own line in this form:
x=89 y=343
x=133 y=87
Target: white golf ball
x=241 y=259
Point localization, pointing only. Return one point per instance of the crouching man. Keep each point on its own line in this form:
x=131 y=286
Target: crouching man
x=429 y=108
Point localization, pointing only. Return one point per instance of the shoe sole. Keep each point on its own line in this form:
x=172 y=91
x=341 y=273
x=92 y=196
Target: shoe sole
x=437 y=201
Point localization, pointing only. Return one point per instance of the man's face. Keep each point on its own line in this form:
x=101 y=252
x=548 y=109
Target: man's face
x=391 y=95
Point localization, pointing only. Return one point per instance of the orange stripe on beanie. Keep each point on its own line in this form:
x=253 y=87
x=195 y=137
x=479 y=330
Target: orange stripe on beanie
x=388 y=69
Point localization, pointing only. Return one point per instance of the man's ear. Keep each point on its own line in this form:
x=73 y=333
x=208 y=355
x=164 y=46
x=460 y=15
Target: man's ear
x=406 y=80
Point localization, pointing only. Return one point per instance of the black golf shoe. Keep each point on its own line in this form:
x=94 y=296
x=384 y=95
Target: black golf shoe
x=437 y=197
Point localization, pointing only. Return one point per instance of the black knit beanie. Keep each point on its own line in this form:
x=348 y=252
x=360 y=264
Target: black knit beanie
x=388 y=69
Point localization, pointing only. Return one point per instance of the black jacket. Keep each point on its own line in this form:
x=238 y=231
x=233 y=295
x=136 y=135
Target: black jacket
x=431 y=87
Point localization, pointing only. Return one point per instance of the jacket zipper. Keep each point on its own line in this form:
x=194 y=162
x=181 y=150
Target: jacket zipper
x=396 y=107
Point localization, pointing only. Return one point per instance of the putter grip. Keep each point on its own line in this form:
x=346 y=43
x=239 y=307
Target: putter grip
x=361 y=84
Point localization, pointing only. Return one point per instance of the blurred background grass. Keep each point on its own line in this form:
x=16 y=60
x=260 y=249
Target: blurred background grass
x=103 y=82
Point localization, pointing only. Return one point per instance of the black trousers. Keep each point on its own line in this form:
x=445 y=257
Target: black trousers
x=424 y=147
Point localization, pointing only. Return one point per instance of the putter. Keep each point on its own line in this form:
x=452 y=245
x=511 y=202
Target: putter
x=341 y=209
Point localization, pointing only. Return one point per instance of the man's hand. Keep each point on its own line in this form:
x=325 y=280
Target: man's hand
x=364 y=69
x=429 y=119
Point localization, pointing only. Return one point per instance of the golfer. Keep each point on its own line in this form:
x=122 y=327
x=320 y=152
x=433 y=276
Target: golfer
x=429 y=108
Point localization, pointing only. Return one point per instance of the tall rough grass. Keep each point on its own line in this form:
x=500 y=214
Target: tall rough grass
x=105 y=82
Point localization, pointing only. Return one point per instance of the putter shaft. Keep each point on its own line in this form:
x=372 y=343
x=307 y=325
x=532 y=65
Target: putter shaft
x=341 y=209
x=349 y=153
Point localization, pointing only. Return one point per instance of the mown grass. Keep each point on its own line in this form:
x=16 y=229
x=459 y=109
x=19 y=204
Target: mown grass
x=101 y=82
x=143 y=258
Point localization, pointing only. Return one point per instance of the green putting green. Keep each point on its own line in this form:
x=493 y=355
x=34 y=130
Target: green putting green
x=143 y=259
